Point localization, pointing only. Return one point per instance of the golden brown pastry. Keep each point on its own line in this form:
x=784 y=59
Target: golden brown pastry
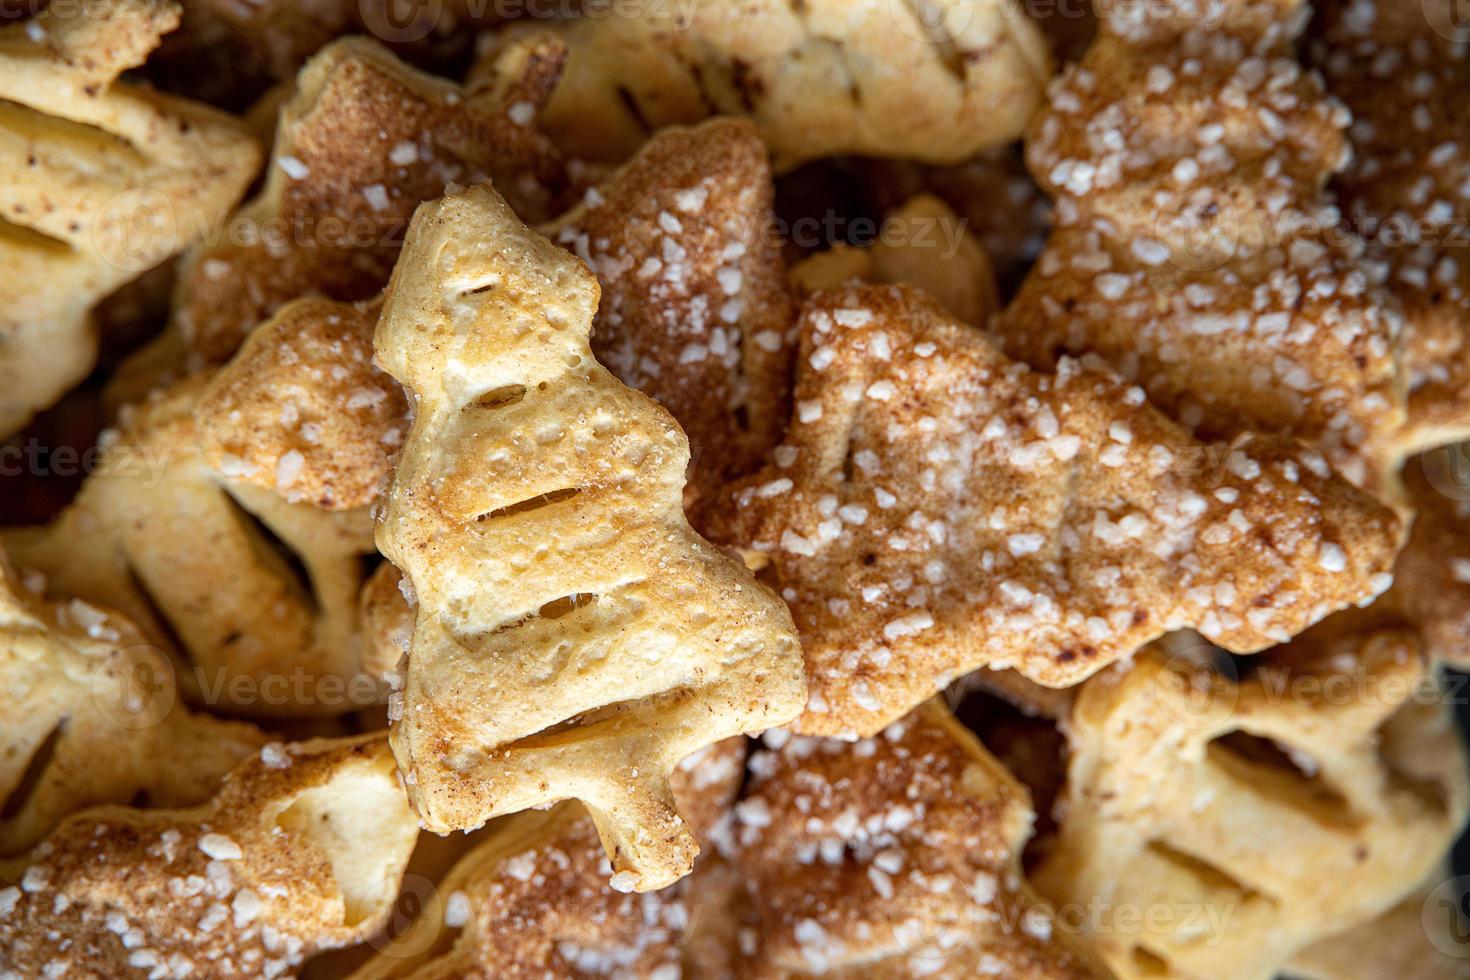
x=574 y=637
x=695 y=311
x=819 y=78
x=1258 y=817
x=1402 y=72
x=302 y=850
x=921 y=243
x=894 y=856
x=1431 y=588
x=361 y=142
x=937 y=507
x=1414 y=940
x=104 y=181
x=94 y=716
x=229 y=519
x=1195 y=248
x=534 y=899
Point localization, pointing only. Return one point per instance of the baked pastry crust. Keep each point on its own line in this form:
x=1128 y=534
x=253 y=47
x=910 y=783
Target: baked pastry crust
x=895 y=856
x=228 y=518
x=95 y=717
x=694 y=311
x=1402 y=72
x=1196 y=249
x=820 y=78
x=105 y=180
x=937 y=508
x=1165 y=808
x=921 y=243
x=279 y=865
x=574 y=637
x=362 y=141
x=534 y=901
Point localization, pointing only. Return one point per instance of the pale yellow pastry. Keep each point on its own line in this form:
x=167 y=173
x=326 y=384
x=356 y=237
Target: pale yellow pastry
x=301 y=851
x=1431 y=588
x=937 y=508
x=574 y=637
x=1256 y=818
x=534 y=900
x=922 y=243
x=1401 y=70
x=937 y=82
x=94 y=716
x=1418 y=939
x=104 y=180
x=992 y=193
x=363 y=139
x=228 y=518
x=695 y=311
x=895 y=856
x=1195 y=249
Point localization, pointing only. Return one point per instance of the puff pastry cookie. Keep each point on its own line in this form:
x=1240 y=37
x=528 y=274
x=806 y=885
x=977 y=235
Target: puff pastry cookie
x=1178 y=798
x=363 y=139
x=105 y=180
x=95 y=717
x=1195 y=249
x=895 y=856
x=534 y=901
x=574 y=637
x=229 y=520
x=921 y=243
x=820 y=78
x=279 y=865
x=937 y=508
x=1401 y=71
x=695 y=311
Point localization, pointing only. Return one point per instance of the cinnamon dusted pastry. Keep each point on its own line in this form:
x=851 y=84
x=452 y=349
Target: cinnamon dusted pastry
x=104 y=181
x=895 y=856
x=229 y=519
x=1196 y=250
x=361 y=142
x=937 y=507
x=695 y=311
x=534 y=899
x=574 y=637
x=280 y=864
x=1402 y=70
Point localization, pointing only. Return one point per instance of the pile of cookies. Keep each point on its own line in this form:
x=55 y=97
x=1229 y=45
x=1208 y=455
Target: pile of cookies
x=734 y=489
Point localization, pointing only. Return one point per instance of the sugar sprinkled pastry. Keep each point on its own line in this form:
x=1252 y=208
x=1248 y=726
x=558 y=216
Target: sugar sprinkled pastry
x=1195 y=248
x=105 y=180
x=363 y=139
x=95 y=717
x=280 y=864
x=820 y=78
x=937 y=507
x=1311 y=795
x=695 y=311
x=228 y=518
x=1402 y=72
x=574 y=638
x=534 y=900
x=895 y=856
